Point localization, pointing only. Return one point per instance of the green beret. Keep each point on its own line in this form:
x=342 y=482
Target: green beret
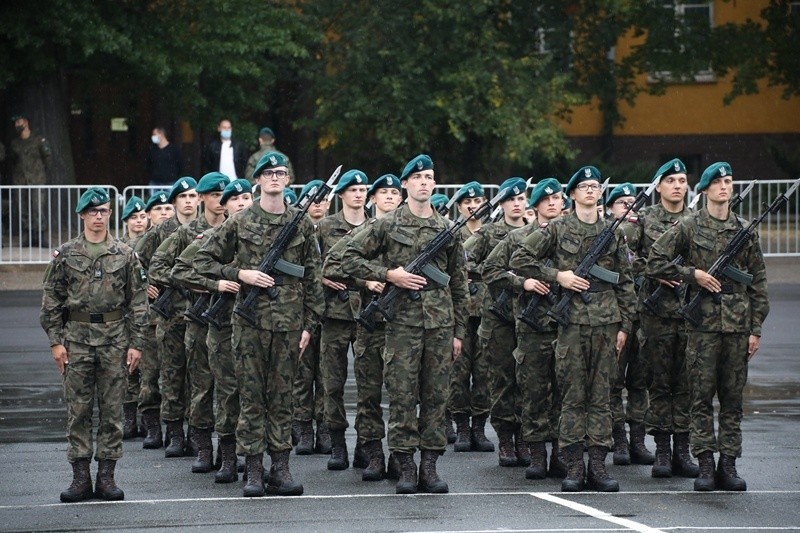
x=717 y=170
x=134 y=205
x=544 y=188
x=157 y=198
x=350 y=178
x=270 y=160
x=235 y=188
x=669 y=168
x=211 y=182
x=623 y=189
x=586 y=173
x=419 y=163
x=307 y=188
x=513 y=187
x=289 y=196
x=387 y=181
x=473 y=189
x=181 y=186
x=263 y=132
x=93 y=197
x=438 y=200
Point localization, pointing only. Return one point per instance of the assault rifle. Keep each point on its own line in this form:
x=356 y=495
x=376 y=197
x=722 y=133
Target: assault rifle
x=272 y=262
x=589 y=267
x=421 y=265
x=445 y=209
x=528 y=315
x=723 y=267
x=163 y=304
x=195 y=312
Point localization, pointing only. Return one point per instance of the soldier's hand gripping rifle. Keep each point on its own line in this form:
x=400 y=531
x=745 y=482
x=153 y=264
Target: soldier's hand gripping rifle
x=421 y=265
x=528 y=315
x=589 y=267
x=163 y=304
x=272 y=262
x=652 y=302
x=723 y=267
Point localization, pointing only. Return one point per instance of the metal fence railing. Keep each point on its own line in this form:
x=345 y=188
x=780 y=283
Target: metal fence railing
x=34 y=219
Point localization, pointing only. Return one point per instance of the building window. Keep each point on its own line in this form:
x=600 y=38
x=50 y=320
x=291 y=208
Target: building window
x=683 y=40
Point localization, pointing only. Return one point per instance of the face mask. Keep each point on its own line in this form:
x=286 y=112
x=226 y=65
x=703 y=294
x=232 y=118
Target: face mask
x=226 y=134
x=155 y=139
x=19 y=129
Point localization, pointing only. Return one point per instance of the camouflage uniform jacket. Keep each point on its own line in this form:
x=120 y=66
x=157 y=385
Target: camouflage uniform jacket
x=700 y=239
x=477 y=289
x=146 y=246
x=330 y=231
x=242 y=241
x=396 y=240
x=114 y=281
x=33 y=157
x=478 y=247
x=566 y=241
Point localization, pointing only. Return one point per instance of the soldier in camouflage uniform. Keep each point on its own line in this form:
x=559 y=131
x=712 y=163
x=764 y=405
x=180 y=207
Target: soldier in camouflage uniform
x=342 y=304
x=266 y=143
x=266 y=354
x=94 y=311
x=32 y=161
x=190 y=364
x=496 y=332
x=534 y=357
x=728 y=334
x=662 y=331
x=633 y=371
x=426 y=332
x=596 y=332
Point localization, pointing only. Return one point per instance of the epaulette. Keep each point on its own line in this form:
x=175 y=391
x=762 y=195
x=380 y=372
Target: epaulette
x=633 y=219
x=543 y=225
x=199 y=236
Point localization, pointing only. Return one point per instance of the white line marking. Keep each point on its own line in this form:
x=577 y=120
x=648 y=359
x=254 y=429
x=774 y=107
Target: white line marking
x=596 y=513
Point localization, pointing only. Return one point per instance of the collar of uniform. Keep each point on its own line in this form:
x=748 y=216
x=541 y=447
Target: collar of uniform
x=81 y=245
x=407 y=218
x=262 y=215
x=587 y=229
x=705 y=219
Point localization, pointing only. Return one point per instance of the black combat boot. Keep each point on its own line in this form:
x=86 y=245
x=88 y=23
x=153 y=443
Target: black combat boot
x=154 y=439
x=376 y=468
x=479 y=441
x=557 y=468
x=295 y=432
x=662 y=467
x=204 y=462
x=705 y=479
x=538 y=466
x=189 y=449
x=392 y=467
x=429 y=480
x=598 y=478
x=305 y=438
x=81 y=487
x=280 y=481
x=130 y=429
x=576 y=469
x=323 y=444
x=338 y=459
x=726 y=476
x=682 y=464
x=104 y=486
x=227 y=472
x=407 y=482
x=254 y=470
x=463 y=441
x=640 y=455
x=176 y=439
x=521 y=448
x=622 y=454
x=507 y=456
x=448 y=427
x=360 y=457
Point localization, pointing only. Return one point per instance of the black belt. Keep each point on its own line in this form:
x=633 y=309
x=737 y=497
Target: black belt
x=95 y=318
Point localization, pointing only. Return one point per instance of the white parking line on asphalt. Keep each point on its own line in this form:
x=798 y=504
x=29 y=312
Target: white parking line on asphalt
x=596 y=513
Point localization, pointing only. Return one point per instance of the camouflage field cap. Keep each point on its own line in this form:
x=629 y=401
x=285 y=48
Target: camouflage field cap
x=417 y=164
x=716 y=170
x=93 y=197
x=235 y=188
x=387 y=181
x=543 y=189
x=473 y=189
x=587 y=173
x=350 y=178
x=134 y=205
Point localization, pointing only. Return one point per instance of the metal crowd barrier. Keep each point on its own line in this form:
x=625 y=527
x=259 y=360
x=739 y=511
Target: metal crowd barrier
x=34 y=219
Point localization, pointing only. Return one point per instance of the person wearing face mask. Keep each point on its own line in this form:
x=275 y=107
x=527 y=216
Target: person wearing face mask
x=164 y=160
x=31 y=156
x=226 y=154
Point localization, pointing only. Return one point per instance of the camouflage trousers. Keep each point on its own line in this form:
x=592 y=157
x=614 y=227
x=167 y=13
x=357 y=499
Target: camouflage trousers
x=416 y=370
x=536 y=377
x=150 y=368
x=585 y=367
x=307 y=388
x=498 y=341
x=633 y=374
x=201 y=380
x=335 y=341
x=717 y=365
x=226 y=388
x=663 y=344
x=94 y=373
x=170 y=335
x=265 y=362
x=133 y=385
x=469 y=379
x=368 y=368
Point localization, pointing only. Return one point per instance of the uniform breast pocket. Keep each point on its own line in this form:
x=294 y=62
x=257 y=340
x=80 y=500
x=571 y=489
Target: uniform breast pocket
x=569 y=245
x=77 y=267
x=403 y=245
x=653 y=232
x=254 y=236
x=294 y=251
x=704 y=244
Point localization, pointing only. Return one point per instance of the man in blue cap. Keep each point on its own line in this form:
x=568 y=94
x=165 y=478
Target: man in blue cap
x=599 y=324
x=94 y=311
x=728 y=334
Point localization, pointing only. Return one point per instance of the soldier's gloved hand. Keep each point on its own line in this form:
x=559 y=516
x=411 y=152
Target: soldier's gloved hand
x=152 y=292
x=456 y=348
x=568 y=280
x=256 y=278
x=305 y=338
x=134 y=356
x=534 y=285
x=374 y=286
x=752 y=346
x=225 y=285
x=60 y=357
x=335 y=285
x=622 y=337
x=405 y=280
x=707 y=281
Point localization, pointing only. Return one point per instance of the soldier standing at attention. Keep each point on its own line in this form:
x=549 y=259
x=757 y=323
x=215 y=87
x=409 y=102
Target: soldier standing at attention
x=32 y=159
x=729 y=333
x=266 y=143
x=267 y=353
x=427 y=331
x=597 y=329
x=94 y=311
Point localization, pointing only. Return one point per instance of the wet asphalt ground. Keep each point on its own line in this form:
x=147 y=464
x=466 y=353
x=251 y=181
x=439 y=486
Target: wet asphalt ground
x=163 y=493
